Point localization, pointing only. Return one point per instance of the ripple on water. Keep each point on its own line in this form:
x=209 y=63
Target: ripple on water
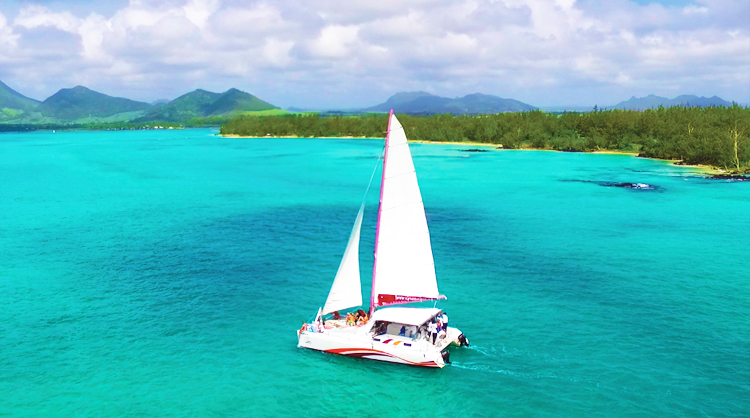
x=142 y=280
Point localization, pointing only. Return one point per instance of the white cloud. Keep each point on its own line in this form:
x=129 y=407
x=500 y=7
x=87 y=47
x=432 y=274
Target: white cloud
x=359 y=52
x=335 y=41
x=277 y=52
x=35 y=16
x=693 y=9
x=91 y=29
x=257 y=19
x=7 y=38
x=198 y=11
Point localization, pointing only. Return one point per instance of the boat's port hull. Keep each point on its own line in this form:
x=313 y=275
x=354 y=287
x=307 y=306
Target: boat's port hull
x=372 y=354
x=397 y=349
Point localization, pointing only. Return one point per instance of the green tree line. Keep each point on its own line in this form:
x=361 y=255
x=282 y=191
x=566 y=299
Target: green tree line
x=716 y=136
x=111 y=126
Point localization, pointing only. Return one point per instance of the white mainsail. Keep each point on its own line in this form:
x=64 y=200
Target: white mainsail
x=346 y=291
x=404 y=270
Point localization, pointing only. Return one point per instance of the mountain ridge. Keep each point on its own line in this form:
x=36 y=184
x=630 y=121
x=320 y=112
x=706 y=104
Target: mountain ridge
x=13 y=103
x=420 y=102
x=234 y=100
x=201 y=103
x=83 y=105
x=82 y=102
x=686 y=100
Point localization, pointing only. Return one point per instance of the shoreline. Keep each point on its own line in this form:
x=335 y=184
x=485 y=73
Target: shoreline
x=295 y=136
x=498 y=147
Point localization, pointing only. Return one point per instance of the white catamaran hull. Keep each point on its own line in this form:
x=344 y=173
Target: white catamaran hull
x=352 y=342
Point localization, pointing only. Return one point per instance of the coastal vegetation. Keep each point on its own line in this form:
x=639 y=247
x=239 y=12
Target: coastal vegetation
x=714 y=136
x=108 y=126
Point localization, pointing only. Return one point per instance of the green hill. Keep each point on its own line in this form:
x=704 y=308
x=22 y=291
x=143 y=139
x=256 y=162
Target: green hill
x=472 y=104
x=234 y=100
x=201 y=104
x=80 y=102
x=14 y=104
x=184 y=108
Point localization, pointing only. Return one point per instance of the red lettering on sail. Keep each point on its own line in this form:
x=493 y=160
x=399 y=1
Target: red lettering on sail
x=385 y=300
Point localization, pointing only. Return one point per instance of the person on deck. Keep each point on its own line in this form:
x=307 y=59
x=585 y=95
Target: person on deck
x=362 y=315
x=336 y=315
x=350 y=320
x=432 y=329
x=445 y=322
x=412 y=332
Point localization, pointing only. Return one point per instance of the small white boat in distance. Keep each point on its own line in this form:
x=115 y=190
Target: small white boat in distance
x=403 y=272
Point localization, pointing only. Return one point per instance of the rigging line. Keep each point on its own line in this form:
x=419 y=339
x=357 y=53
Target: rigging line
x=380 y=157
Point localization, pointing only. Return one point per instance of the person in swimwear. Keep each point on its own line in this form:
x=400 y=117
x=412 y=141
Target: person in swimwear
x=362 y=315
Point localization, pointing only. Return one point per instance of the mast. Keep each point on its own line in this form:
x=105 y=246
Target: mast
x=380 y=210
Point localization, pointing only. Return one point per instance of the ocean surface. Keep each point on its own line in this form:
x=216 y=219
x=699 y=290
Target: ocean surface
x=165 y=273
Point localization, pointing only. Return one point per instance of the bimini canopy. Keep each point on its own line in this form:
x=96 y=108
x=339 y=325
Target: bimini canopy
x=406 y=316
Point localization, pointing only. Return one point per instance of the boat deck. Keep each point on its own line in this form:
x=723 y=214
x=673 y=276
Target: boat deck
x=441 y=343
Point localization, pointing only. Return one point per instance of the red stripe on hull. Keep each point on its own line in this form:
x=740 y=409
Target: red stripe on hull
x=365 y=352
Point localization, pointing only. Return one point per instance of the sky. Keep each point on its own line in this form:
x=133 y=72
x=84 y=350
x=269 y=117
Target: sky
x=346 y=54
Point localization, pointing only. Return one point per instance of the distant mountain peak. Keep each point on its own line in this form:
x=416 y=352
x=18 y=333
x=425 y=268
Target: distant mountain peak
x=476 y=103
x=234 y=100
x=16 y=102
x=652 y=101
x=80 y=102
x=201 y=103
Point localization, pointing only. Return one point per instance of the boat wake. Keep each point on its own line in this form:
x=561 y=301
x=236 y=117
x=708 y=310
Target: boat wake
x=491 y=354
x=482 y=350
x=486 y=368
x=482 y=368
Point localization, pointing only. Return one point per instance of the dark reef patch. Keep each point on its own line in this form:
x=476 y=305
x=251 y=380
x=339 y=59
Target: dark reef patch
x=728 y=177
x=622 y=185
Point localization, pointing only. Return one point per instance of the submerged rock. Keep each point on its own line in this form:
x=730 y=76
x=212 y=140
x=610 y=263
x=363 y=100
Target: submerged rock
x=474 y=150
x=634 y=186
x=730 y=177
x=637 y=186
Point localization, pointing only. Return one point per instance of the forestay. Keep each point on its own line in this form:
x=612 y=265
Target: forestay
x=346 y=291
x=404 y=270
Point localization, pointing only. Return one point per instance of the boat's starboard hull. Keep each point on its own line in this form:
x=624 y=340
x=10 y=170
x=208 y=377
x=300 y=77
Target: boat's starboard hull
x=351 y=344
x=372 y=354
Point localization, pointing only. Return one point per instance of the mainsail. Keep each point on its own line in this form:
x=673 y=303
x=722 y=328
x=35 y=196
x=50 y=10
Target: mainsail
x=404 y=270
x=346 y=291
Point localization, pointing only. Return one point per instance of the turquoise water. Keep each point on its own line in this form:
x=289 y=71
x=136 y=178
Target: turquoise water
x=164 y=273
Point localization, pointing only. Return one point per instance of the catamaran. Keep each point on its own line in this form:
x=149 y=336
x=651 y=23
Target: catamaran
x=403 y=272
